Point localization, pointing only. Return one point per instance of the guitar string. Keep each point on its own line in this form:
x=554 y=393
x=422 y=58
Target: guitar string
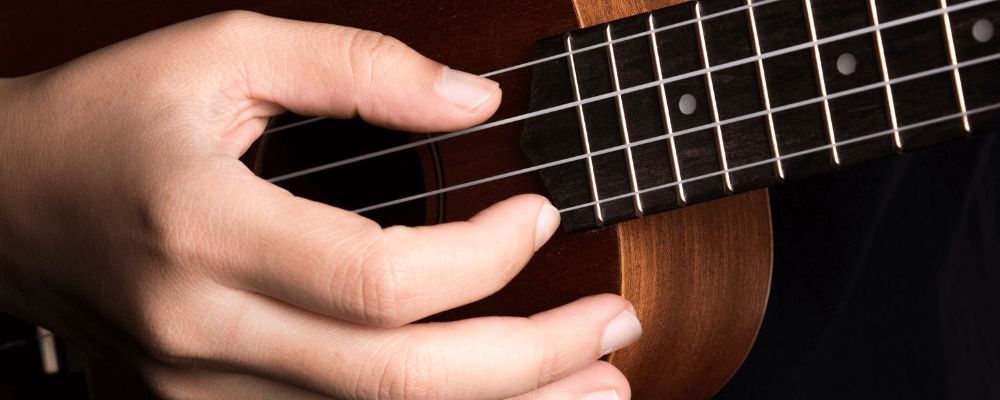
x=744 y=117
x=807 y=45
x=876 y=135
x=632 y=36
x=568 y=53
x=629 y=90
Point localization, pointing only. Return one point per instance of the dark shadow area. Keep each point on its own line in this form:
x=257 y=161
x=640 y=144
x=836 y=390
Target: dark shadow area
x=886 y=282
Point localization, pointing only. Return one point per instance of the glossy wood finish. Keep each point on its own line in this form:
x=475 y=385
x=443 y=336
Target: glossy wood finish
x=698 y=277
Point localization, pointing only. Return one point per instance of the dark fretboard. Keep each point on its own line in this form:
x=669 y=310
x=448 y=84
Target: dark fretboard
x=728 y=96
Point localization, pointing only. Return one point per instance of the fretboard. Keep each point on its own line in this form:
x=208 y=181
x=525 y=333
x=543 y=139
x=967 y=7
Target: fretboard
x=705 y=99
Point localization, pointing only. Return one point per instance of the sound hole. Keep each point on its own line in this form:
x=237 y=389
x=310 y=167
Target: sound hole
x=351 y=186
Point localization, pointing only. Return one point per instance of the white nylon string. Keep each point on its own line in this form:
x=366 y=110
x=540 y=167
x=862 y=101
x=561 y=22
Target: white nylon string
x=791 y=155
x=630 y=37
x=522 y=117
x=763 y=113
x=574 y=51
x=294 y=125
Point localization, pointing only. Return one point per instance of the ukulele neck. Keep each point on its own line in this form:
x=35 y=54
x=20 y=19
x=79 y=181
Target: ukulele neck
x=704 y=99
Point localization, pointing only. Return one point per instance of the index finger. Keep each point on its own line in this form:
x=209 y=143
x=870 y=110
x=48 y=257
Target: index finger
x=340 y=264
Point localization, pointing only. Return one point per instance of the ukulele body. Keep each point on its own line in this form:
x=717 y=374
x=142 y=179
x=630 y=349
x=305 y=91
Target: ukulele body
x=698 y=276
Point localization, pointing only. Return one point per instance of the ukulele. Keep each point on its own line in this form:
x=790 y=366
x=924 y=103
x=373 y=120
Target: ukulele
x=653 y=129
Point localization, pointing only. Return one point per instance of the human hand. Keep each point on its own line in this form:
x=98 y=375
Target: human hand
x=129 y=226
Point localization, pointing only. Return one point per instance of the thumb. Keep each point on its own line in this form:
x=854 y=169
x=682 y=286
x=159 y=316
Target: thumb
x=329 y=70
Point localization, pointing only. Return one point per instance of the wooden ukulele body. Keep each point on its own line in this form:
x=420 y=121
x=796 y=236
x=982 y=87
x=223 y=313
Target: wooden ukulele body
x=698 y=276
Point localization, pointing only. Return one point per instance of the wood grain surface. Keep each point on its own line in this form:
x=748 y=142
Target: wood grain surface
x=699 y=277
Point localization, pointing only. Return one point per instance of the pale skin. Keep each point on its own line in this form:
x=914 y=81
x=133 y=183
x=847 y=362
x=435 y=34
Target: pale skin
x=129 y=227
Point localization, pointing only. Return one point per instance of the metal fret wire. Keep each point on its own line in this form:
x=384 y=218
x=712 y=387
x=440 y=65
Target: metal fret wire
x=956 y=77
x=714 y=107
x=779 y=168
x=872 y=86
x=818 y=61
x=992 y=107
x=598 y=216
x=620 y=104
x=522 y=117
x=896 y=139
x=634 y=36
x=665 y=107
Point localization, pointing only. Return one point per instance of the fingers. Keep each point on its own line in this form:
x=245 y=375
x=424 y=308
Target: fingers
x=599 y=381
x=322 y=69
x=483 y=358
x=250 y=67
x=339 y=264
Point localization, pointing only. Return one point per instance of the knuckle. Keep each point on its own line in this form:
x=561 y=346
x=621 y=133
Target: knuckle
x=169 y=338
x=171 y=236
x=547 y=368
x=178 y=227
x=550 y=362
x=231 y=21
x=380 y=286
x=227 y=30
x=365 y=284
x=408 y=375
x=369 y=51
x=173 y=247
x=168 y=346
x=505 y=259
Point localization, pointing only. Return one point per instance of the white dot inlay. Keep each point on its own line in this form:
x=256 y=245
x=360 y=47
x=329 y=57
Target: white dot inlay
x=982 y=31
x=687 y=104
x=847 y=64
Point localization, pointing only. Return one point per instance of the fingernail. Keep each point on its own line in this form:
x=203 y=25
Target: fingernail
x=465 y=89
x=622 y=331
x=609 y=394
x=548 y=222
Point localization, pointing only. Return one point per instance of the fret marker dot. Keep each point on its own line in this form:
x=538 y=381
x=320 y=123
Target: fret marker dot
x=847 y=64
x=982 y=31
x=687 y=104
